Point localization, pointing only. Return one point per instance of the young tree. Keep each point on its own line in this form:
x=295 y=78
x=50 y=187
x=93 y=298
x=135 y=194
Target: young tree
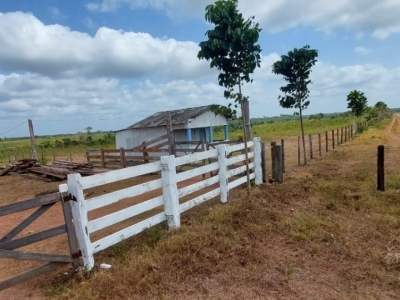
x=357 y=102
x=232 y=48
x=296 y=68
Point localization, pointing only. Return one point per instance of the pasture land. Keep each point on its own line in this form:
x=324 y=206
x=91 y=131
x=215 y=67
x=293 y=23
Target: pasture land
x=73 y=147
x=326 y=233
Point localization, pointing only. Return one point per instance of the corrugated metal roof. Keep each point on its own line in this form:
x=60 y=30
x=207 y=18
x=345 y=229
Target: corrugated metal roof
x=179 y=116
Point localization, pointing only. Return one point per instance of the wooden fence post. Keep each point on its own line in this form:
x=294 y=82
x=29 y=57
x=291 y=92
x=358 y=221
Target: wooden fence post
x=145 y=154
x=352 y=132
x=345 y=134
x=326 y=141
x=122 y=157
x=170 y=133
x=223 y=172
x=283 y=155
x=278 y=164
x=310 y=139
x=72 y=240
x=341 y=135
x=263 y=163
x=298 y=150
x=70 y=154
x=170 y=191
x=54 y=154
x=88 y=156
x=103 y=162
x=258 y=162
x=80 y=216
x=381 y=168
x=337 y=136
x=333 y=139
x=319 y=145
x=273 y=160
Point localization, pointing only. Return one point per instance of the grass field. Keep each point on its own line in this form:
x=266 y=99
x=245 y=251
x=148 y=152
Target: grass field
x=74 y=146
x=281 y=129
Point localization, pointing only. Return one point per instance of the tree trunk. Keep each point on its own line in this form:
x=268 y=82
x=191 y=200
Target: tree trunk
x=246 y=115
x=302 y=135
x=245 y=136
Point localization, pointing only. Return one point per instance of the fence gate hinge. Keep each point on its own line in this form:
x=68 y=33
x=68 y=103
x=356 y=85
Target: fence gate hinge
x=71 y=197
x=77 y=254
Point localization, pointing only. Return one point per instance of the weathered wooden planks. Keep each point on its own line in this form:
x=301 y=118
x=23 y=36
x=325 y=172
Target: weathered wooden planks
x=28 y=204
x=5 y=284
x=33 y=238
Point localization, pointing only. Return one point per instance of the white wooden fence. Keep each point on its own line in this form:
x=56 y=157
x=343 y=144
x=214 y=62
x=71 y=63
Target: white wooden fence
x=170 y=193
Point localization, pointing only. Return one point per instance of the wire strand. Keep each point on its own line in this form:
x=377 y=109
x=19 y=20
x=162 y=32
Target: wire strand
x=13 y=128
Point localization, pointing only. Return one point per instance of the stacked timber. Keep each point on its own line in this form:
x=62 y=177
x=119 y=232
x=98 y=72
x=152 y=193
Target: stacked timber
x=19 y=166
x=59 y=170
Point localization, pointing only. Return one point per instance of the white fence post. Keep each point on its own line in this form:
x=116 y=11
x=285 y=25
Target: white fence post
x=223 y=172
x=257 y=161
x=80 y=217
x=170 y=191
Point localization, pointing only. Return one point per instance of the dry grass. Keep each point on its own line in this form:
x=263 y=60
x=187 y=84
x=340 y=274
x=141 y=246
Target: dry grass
x=326 y=233
x=323 y=234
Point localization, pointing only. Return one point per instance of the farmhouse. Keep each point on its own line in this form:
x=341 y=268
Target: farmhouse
x=188 y=124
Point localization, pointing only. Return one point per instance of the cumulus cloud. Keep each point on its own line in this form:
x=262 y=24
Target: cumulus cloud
x=29 y=45
x=377 y=17
x=43 y=98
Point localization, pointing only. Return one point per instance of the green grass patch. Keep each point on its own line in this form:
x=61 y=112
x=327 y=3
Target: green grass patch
x=279 y=129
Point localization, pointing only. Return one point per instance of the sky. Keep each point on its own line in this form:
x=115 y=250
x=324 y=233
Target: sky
x=107 y=64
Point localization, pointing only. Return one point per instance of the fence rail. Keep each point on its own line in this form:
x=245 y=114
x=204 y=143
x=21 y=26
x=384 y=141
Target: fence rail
x=168 y=184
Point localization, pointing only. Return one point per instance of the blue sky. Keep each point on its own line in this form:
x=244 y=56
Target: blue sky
x=109 y=63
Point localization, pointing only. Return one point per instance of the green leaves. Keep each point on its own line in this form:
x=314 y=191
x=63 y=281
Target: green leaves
x=296 y=69
x=231 y=46
x=357 y=102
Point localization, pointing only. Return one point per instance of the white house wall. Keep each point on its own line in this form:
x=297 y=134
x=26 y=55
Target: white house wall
x=206 y=120
x=131 y=138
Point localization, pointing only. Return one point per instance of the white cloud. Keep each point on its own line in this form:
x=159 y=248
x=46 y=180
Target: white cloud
x=42 y=98
x=377 y=17
x=29 y=45
x=362 y=50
